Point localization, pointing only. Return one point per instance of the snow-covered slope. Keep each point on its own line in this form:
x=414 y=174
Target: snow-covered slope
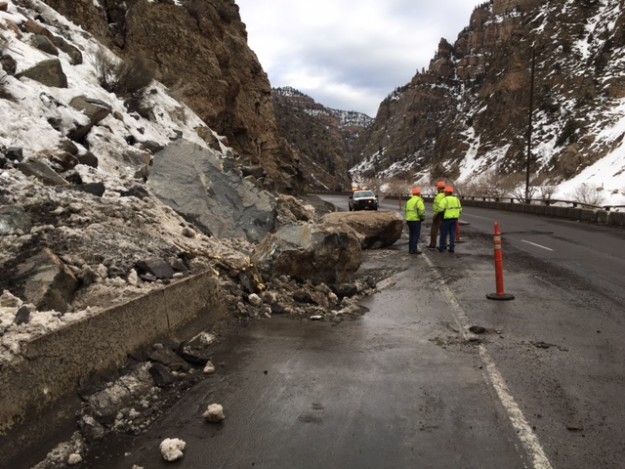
x=466 y=118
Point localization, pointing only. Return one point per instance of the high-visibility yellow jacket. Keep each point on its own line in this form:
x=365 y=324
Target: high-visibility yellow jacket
x=451 y=207
x=415 y=209
x=436 y=204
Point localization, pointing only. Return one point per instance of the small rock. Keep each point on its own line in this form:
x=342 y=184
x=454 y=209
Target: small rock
x=255 y=300
x=102 y=271
x=8 y=300
x=172 y=448
x=277 y=309
x=74 y=459
x=209 y=369
x=188 y=232
x=346 y=289
x=214 y=413
x=477 y=329
x=136 y=191
x=93 y=188
x=91 y=429
x=195 y=354
x=575 y=427
x=156 y=267
x=14 y=154
x=161 y=375
x=206 y=338
x=23 y=315
x=302 y=296
x=133 y=278
x=169 y=358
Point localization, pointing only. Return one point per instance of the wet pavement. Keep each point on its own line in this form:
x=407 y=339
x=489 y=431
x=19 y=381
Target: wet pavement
x=407 y=384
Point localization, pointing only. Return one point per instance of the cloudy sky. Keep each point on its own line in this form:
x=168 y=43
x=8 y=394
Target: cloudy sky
x=349 y=54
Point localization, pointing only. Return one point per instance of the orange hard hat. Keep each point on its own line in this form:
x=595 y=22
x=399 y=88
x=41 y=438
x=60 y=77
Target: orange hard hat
x=441 y=184
x=416 y=191
x=449 y=190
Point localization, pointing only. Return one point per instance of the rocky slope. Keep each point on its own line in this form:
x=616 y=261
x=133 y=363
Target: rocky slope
x=324 y=137
x=468 y=113
x=199 y=50
x=111 y=188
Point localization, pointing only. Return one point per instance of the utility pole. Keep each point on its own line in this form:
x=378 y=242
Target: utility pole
x=529 y=130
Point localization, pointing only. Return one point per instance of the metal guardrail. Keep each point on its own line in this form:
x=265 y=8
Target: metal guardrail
x=491 y=198
x=555 y=208
x=547 y=202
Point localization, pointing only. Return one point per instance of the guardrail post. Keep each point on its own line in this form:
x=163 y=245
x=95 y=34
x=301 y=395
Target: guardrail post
x=500 y=294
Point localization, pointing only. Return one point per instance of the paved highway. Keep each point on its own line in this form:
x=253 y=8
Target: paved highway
x=408 y=385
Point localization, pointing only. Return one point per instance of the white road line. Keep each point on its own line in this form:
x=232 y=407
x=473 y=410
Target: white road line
x=537 y=245
x=526 y=435
x=476 y=216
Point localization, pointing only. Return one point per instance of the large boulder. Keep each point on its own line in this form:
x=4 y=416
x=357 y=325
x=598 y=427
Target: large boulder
x=48 y=283
x=320 y=253
x=190 y=179
x=41 y=171
x=14 y=221
x=375 y=229
x=94 y=109
x=48 y=72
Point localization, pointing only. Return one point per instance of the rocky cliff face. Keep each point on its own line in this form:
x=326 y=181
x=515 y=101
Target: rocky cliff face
x=324 y=137
x=198 y=49
x=468 y=113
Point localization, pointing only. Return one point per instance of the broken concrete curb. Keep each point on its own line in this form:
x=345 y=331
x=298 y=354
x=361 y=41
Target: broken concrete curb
x=53 y=364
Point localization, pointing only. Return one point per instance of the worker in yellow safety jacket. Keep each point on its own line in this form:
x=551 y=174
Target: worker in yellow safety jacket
x=415 y=214
x=451 y=209
x=437 y=215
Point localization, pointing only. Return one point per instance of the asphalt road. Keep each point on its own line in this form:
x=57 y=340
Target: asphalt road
x=408 y=385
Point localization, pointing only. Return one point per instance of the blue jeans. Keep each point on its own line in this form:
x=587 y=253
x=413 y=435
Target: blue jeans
x=414 y=230
x=448 y=229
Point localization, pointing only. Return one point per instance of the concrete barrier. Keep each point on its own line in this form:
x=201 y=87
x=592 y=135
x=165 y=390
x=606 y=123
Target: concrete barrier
x=616 y=218
x=602 y=217
x=54 y=364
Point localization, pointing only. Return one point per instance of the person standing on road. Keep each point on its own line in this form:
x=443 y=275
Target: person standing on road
x=415 y=214
x=437 y=215
x=451 y=209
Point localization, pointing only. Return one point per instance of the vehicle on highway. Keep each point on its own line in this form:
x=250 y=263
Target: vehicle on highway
x=362 y=200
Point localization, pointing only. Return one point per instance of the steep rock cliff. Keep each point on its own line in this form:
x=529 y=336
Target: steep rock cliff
x=199 y=50
x=324 y=137
x=468 y=113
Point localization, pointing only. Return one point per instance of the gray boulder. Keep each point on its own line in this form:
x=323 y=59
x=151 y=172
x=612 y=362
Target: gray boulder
x=41 y=171
x=375 y=229
x=48 y=72
x=156 y=267
x=94 y=188
x=94 y=109
x=15 y=154
x=320 y=253
x=88 y=159
x=190 y=179
x=41 y=42
x=9 y=65
x=48 y=283
x=74 y=53
x=14 y=221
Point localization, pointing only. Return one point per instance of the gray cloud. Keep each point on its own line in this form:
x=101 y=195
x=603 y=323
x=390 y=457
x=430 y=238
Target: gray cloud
x=349 y=54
